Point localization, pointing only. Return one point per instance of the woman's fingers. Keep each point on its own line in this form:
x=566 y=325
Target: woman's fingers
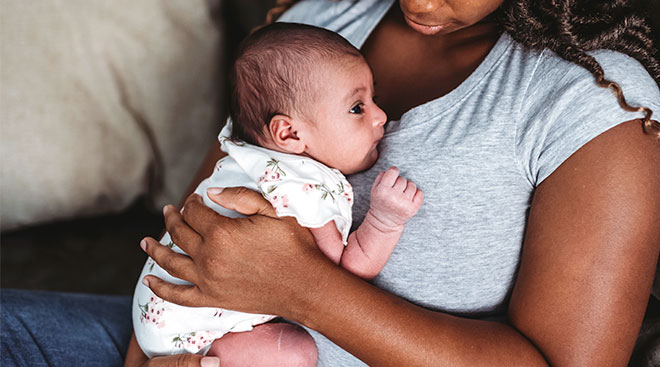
x=181 y=294
x=177 y=265
x=198 y=216
x=181 y=233
x=243 y=200
x=183 y=360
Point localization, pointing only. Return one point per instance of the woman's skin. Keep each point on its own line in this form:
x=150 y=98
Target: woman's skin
x=588 y=259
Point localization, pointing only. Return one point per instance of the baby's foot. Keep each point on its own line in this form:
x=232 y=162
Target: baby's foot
x=394 y=199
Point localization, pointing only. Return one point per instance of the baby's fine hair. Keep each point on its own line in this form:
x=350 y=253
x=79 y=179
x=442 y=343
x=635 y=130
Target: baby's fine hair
x=273 y=71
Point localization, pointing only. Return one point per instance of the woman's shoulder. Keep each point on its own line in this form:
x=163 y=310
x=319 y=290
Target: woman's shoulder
x=568 y=87
x=563 y=107
x=556 y=73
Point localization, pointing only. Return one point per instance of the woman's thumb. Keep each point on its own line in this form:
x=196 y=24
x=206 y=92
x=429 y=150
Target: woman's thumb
x=184 y=360
x=241 y=199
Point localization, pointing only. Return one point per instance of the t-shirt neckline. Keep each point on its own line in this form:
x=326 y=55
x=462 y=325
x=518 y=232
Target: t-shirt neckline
x=458 y=93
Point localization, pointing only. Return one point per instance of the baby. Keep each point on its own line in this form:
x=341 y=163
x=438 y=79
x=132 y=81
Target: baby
x=303 y=101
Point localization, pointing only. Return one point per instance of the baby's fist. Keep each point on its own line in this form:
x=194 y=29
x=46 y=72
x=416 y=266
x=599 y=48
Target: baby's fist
x=394 y=199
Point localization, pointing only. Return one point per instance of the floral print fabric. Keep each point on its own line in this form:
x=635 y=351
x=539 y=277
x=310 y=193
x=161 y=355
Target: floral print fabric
x=296 y=186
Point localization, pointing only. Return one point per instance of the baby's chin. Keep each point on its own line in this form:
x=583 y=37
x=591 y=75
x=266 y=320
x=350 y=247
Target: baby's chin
x=368 y=162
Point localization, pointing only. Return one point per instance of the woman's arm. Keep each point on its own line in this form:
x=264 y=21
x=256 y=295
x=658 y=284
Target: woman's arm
x=134 y=355
x=590 y=251
x=587 y=265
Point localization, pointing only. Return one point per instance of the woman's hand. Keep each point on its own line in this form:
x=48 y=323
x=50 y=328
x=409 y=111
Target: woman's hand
x=182 y=360
x=136 y=358
x=251 y=264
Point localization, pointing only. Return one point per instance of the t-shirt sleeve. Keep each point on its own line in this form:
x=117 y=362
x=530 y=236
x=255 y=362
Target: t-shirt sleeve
x=563 y=108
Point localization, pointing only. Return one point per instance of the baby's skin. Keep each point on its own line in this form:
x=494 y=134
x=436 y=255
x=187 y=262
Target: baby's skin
x=342 y=130
x=357 y=122
x=394 y=200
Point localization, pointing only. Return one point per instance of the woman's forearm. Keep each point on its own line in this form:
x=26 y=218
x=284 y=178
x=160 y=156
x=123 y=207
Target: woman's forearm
x=134 y=356
x=304 y=285
x=345 y=309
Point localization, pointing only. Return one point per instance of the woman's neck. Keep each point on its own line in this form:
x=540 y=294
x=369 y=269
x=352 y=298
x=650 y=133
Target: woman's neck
x=411 y=69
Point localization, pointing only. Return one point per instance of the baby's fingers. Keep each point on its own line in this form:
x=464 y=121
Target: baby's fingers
x=410 y=190
x=418 y=198
x=378 y=179
x=389 y=177
x=400 y=184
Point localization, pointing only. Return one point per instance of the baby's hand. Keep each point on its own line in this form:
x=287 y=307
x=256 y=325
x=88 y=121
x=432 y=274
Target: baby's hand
x=394 y=199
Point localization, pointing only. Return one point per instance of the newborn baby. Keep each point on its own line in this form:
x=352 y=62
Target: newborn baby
x=302 y=113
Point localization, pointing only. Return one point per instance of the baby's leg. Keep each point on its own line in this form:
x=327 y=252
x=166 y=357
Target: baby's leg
x=273 y=344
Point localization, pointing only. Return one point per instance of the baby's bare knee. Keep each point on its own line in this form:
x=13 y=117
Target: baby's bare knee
x=275 y=344
x=298 y=345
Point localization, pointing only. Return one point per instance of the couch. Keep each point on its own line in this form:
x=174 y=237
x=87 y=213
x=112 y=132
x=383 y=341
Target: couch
x=107 y=109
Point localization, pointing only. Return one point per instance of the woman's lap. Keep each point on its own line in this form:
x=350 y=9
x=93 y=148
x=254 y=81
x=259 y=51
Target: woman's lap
x=63 y=329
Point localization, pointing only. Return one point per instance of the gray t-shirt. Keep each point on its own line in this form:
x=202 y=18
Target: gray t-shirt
x=478 y=153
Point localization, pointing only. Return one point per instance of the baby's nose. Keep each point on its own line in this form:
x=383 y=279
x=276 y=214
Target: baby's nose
x=380 y=117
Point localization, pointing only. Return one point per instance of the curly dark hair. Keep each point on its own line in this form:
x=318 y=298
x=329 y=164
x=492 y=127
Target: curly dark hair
x=572 y=28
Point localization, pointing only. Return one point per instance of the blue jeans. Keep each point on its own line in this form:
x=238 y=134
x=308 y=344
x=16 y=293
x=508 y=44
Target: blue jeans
x=63 y=329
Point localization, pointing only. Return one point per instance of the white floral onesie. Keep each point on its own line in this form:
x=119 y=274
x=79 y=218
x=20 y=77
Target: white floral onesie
x=296 y=186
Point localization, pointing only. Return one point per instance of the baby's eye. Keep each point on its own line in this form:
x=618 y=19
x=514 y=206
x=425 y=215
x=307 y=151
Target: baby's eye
x=358 y=109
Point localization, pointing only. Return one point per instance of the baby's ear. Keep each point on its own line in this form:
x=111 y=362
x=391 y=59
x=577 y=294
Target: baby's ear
x=284 y=133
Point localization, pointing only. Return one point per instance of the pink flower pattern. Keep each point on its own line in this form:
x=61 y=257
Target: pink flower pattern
x=151 y=263
x=151 y=313
x=307 y=187
x=273 y=172
x=193 y=341
x=348 y=191
x=343 y=189
x=278 y=201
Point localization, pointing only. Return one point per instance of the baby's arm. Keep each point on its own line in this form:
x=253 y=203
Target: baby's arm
x=394 y=200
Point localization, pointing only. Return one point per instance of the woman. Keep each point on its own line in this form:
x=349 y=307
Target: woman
x=538 y=241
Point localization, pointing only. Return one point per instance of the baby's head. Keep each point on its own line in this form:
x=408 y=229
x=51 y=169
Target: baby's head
x=305 y=90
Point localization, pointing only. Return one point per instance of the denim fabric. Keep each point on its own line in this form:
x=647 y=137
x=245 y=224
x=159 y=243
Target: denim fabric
x=63 y=329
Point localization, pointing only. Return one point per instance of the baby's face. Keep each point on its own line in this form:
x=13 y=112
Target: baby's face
x=346 y=123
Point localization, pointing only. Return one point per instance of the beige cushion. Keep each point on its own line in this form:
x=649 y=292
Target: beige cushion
x=102 y=102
